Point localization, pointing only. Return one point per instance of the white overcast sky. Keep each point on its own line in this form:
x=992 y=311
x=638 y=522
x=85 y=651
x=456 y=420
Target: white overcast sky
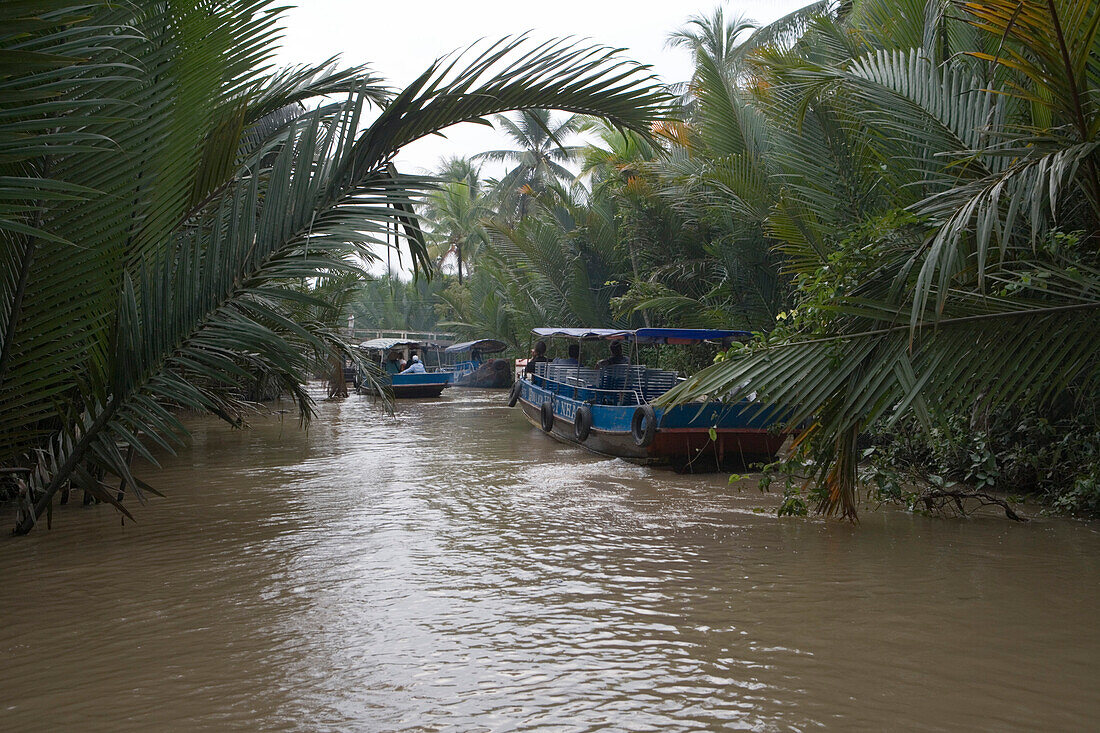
x=399 y=40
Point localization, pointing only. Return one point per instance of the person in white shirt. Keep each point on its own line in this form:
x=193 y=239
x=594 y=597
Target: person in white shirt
x=416 y=367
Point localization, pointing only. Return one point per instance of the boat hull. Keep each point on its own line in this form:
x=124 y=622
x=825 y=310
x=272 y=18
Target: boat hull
x=430 y=384
x=690 y=437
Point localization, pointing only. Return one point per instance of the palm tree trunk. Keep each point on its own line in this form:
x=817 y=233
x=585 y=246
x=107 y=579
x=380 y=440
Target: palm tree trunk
x=337 y=384
x=638 y=277
x=632 y=237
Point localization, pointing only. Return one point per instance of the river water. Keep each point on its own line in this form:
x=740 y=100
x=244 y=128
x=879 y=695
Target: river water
x=455 y=570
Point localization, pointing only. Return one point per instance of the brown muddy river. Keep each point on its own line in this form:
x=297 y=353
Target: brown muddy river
x=455 y=570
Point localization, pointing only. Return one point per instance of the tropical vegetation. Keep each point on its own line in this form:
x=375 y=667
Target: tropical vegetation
x=171 y=209
x=934 y=178
x=899 y=197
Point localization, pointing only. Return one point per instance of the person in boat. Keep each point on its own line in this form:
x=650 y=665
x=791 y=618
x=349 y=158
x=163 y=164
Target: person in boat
x=616 y=357
x=393 y=363
x=415 y=368
x=574 y=356
x=537 y=354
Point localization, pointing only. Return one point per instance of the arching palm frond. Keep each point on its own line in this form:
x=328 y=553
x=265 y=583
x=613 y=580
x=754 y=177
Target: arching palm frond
x=167 y=302
x=972 y=302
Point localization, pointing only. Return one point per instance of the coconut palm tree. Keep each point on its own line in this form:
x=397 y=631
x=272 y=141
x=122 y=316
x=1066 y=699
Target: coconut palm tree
x=457 y=169
x=538 y=156
x=139 y=276
x=713 y=37
x=390 y=303
x=457 y=209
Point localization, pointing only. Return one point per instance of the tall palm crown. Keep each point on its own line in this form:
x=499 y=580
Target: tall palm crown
x=714 y=37
x=538 y=156
x=457 y=210
x=458 y=169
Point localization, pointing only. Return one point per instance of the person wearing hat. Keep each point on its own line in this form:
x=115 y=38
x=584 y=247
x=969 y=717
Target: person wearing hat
x=415 y=367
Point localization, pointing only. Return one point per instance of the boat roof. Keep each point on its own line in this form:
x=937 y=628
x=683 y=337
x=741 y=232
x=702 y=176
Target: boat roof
x=610 y=334
x=644 y=335
x=686 y=335
x=488 y=346
x=386 y=344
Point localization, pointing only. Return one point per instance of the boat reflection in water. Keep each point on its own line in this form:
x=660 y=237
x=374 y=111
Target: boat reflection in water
x=390 y=353
x=609 y=410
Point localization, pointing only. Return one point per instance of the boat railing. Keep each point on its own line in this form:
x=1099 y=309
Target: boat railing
x=586 y=393
x=657 y=382
x=460 y=368
x=621 y=384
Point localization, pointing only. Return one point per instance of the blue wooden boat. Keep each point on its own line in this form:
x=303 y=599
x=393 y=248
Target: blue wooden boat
x=608 y=411
x=427 y=384
x=468 y=367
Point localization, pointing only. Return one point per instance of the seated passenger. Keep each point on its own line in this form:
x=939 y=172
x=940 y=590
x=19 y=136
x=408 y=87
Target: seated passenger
x=616 y=357
x=537 y=354
x=574 y=356
x=416 y=367
x=393 y=364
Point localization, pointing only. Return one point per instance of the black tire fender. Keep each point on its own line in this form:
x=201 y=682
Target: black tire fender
x=547 y=415
x=513 y=396
x=582 y=423
x=643 y=436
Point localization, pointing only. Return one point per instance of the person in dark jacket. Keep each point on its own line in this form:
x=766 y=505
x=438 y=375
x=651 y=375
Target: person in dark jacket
x=616 y=357
x=574 y=356
x=537 y=354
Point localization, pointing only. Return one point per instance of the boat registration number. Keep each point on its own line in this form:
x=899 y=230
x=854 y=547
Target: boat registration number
x=563 y=408
x=568 y=410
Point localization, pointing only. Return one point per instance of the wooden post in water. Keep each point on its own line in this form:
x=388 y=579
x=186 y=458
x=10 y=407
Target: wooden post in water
x=122 y=482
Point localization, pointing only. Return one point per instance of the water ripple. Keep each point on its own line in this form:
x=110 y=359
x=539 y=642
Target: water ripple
x=452 y=569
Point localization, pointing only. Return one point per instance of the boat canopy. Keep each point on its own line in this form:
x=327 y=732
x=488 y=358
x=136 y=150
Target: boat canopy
x=608 y=334
x=387 y=344
x=486 y=346
x=685 y=335
x=644 y=335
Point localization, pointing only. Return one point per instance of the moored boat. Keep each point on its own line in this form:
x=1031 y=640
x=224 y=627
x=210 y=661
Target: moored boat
x=467 y=363
x=389 y=354
x=609 y=410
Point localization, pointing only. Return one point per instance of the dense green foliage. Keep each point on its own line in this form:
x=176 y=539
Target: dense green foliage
x=174 y=220
x=391 y=303
x=900 y=196
x=1053 y=454
x=935 y=198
